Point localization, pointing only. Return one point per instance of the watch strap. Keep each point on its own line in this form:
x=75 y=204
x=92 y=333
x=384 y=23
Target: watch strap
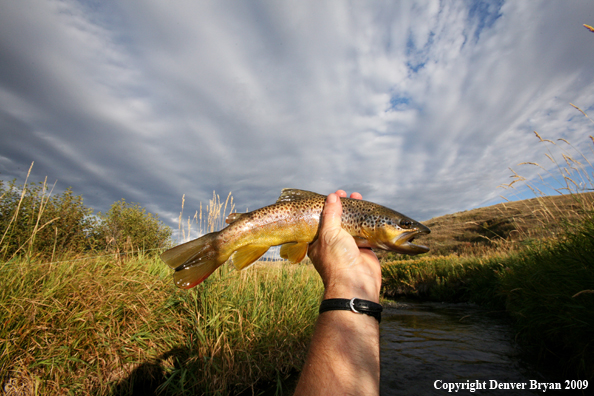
x=355 y=305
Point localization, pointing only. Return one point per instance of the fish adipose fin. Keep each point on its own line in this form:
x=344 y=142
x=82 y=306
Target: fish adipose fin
x=293 y=194
x=294 y=252
x=246 y=255
x=194 y=261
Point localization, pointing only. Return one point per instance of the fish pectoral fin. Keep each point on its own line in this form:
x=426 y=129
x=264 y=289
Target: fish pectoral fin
x=246 y=255
x=294 y=252
x=368 y=237
x=362 y=242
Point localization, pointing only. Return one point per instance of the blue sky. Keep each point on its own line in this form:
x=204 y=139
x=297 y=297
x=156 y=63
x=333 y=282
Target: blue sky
x=422 y=106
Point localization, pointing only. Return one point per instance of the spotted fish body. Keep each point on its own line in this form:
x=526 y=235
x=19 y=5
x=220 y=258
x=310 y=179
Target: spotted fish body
x=292 y=222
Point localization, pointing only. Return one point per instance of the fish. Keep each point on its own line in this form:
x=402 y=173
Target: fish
x=292 y=222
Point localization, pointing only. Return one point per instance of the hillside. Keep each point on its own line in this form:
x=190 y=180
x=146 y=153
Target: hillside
x=507 y=224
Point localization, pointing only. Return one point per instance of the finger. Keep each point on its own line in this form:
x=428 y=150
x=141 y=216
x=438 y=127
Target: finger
x=332 y=212
x=341 y=193
x=356 y=195
x=330 y=223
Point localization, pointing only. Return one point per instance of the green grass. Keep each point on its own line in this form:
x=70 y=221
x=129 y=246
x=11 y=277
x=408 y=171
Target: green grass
x=107 y=327
x=550 y=293
x=445 y=278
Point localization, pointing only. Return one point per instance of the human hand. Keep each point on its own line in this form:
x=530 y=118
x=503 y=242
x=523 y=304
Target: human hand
x=347 y=270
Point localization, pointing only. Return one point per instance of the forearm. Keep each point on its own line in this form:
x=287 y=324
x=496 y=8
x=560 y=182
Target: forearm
x=343 y=357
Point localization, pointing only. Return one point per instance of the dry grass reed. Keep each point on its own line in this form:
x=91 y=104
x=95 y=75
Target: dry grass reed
x=213 y=218
x=571 y=175
x=8 y=233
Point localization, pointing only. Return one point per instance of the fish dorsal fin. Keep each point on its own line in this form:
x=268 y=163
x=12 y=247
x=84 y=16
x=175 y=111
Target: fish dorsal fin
x=233 y=217
x=293 y=194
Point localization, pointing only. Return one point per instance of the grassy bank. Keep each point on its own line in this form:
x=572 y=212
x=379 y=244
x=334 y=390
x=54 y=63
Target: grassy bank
x=108 y=327
x=548 y=289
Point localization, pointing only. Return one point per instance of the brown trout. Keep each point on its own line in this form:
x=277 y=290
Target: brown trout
x=293 y=223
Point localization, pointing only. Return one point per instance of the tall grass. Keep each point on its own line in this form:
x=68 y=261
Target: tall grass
x=112 y=328
x=19 y=233
x=550 y=293
x=446 y=278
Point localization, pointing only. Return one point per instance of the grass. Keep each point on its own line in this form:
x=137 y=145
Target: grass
x=119 y=328
x=550 y=293
x=446 y=278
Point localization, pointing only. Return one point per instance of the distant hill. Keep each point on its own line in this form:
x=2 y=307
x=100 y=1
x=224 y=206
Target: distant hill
x=503 y=225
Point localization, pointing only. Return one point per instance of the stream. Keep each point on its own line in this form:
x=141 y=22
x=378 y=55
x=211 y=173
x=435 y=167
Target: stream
x=426 y=346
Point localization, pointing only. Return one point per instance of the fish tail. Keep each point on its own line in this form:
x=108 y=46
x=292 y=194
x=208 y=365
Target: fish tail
x=194 y=261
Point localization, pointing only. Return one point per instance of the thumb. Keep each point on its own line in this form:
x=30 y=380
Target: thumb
x=331 y=219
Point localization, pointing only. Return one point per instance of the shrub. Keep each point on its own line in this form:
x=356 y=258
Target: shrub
x=33 y=222
x=128 y=226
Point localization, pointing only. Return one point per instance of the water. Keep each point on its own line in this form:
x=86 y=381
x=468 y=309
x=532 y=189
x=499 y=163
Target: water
x=455 y=343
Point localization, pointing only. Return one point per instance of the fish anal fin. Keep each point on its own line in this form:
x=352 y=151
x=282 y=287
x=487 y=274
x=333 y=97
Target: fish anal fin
x=294 y=252
x=293 y=194
x=233 y=217
x=246 y=255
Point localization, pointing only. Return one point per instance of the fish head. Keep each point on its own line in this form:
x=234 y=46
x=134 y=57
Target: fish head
x=395 y=232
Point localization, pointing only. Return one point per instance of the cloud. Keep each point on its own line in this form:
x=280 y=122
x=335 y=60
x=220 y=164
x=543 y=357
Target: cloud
x=419 y=105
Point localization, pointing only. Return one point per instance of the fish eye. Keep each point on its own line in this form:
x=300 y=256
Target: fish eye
x=406 y=223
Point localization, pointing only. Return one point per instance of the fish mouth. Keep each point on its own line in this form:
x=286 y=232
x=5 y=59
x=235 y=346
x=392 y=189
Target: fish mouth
x=404 y=243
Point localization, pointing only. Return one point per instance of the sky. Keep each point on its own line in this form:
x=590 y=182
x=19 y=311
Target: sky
x=421 y=106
